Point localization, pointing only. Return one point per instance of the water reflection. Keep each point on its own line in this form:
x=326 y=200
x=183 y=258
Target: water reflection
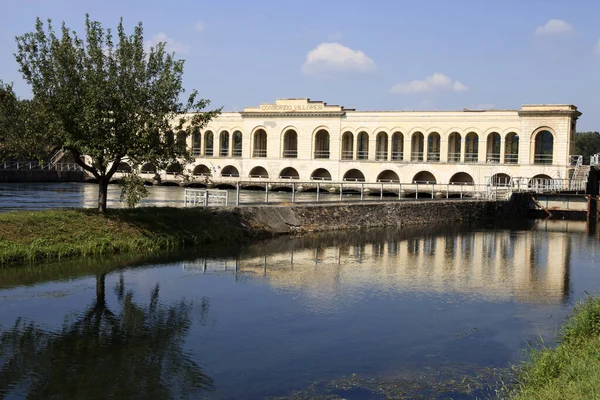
x=132 y=352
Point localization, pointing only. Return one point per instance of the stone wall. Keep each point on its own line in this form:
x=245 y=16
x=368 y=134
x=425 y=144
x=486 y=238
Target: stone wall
x=41 y=176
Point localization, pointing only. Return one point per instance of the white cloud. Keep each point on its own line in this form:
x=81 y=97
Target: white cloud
x=597 y=47
x=435 y=82
x=200 y=26
x=554 y=27
x=171 y=46
x=332 y=57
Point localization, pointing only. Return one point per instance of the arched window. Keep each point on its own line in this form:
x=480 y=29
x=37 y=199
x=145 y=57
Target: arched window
x=289 y=173
x=454 y=147
x=544 y=148
x=208 y=143
x=354 y=175
x=322 y=144
x=224 y=144
x=417 y=146
x=347 y=146
x=388 y=176
x=321 y=174
x=433 y=147
x=493 y=148
x=381 y=146
x=196 y=140
x=424 y=177
x=472 y=148
x=511 y=146
x=461 y=178
x=397 y=146
x=148 y=168
x=230 y=172
x=260 y=143
x=290 y=144
x=258 y=172
x=363 y=146
x=201 y=170
x=237 y=144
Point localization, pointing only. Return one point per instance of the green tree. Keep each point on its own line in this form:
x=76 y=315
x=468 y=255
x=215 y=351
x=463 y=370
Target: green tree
x=106 y=100
x=587 y=144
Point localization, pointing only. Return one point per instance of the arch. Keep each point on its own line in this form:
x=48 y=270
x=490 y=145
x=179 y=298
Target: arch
x=433 y=147
x=321 y=149
x=454 y=144
x=290 y=144
x=543 y=147
x=230 y=171
x=347 y=146
x=236 y=151
x=196 y=141
x=424 y=177
x=511 y=148
x=388 y=176
x=148 y=168
x=224 y=144
x=123 y=167
x=354 y=175
x=259 y=143
x=417 y=146
x=289 y=173
x=362 y=146
x=201 y=169
x=493 y=148
x=540 y=180
x=174 y=169
x=461 y=178
x=258 y=172
x=500 y=179
x=472 y=147
x=181 y=139
x=208 y=143
x=397 y=146
x=320 y=174
x=381 y=146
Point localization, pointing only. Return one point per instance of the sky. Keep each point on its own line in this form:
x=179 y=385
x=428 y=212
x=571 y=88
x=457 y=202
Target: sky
x=367 y=55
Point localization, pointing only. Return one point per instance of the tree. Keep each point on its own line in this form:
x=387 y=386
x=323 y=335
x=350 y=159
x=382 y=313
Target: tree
x=587 y=144
x=106 y=100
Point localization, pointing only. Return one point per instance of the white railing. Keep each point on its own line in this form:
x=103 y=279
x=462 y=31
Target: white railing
x=416 y=156
x=321 y=154
x=595 y=160
x=38 y=166
x=381 y=155
x=347 y=155
x=397 y=155
x=576 y=160
x=259 y=153
x=471 y=157
x=453 y=157
x=493 y=158
x=542 y=159
x=290 y=154
x=433 y=157
x=511 y=158
x=206 y=197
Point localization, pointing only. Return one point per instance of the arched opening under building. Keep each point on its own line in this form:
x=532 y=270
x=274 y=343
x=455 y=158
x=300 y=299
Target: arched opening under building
x=196 y=141
x=289 y=173
x=500 y=179
x=541 y=180
x=290 y=144
x=201 y=169
x=381 y=146
x=148 y=168
x=224 y=144
x=321 y=144
x=237 y=144
x=208 y=143
x=493 y=148
x=397 y=146
x=461 y=178
x=511 y=148
x=258 y=172
x=543 y=148
x=433 y=147
x=362 y=146
x=225 y=186
x=230 y=172
x=417 y=146
x=321 y=174
x=354 y=175
x=388 y=176
x=174 y=169
x=424 y=177
x=123 y=168
x=454 y=147
x=472 y=147
x=347 y=146
x=260 y=143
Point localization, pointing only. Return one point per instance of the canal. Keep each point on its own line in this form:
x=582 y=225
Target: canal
x=432 y=312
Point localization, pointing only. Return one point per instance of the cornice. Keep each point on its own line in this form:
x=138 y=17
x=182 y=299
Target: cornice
x=293 y=114
x=549 y=113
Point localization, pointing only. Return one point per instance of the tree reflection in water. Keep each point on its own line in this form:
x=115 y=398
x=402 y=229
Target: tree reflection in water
x=133 y=353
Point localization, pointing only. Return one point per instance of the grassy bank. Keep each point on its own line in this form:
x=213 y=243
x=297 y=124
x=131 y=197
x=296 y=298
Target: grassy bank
x=572 y=369
x=46 y=235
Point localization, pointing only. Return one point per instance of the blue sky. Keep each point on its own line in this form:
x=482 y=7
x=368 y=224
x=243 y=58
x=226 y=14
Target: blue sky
x=369 y=55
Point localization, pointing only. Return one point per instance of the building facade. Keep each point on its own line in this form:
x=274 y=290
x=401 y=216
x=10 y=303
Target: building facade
x=311 y=140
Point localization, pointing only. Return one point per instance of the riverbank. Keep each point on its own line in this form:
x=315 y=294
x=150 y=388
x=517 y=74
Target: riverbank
x=571 y=370
x=32 y=236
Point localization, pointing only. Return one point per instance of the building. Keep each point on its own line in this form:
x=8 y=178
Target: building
x=304 y=140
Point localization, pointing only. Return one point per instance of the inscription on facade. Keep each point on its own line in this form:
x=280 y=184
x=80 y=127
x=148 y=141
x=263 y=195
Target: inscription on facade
x=291 y=107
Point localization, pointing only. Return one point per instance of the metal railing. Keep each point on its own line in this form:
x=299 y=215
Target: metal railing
x=542 y=159
x=576 y=160
x=224 y=152
x=381 y=155
x=471 y=157
x=362 y=155
x=205 y=197
x=196 y=151
x=290 y=154
x=416 y=156
x=38 y=166
x=453 y=157
x=347 y=155
x=259 y=153
x=321 y=154
x=208 y=152
x=236 y=152
x=433 y=157
x=493 y=158
x=511 y=158
x=397 y=155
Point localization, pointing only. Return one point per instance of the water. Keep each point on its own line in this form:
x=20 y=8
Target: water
x=437 y=312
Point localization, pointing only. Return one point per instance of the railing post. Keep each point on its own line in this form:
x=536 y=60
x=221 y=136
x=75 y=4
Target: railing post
x=293 y=192
x=266 y=193
x=362 y=191
x=206 y=198
x=417 y=191
x=447 y=190
x=227 y=197
x=461 y=186
x=432 y=190
x=318 y=184
x=399 y=190
x=185 y=197
x=341 y=190
x=237 y=193
x=381 y=192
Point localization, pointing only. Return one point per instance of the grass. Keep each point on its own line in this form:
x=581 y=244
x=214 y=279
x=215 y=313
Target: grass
x=572 y=369
x=34 y=236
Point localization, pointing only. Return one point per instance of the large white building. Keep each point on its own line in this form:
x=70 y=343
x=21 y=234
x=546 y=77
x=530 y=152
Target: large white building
x=311 y=140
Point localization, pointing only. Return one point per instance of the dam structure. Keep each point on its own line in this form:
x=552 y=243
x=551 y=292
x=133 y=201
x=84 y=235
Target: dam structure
x=300 y=140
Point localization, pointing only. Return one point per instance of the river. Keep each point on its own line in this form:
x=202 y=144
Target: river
x=424 y=312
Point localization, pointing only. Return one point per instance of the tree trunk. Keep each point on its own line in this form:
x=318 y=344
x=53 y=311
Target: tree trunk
x=102 y=193
x=100 y=291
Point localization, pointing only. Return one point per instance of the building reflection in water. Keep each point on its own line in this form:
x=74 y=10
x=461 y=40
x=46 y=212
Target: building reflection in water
x=529 y=265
